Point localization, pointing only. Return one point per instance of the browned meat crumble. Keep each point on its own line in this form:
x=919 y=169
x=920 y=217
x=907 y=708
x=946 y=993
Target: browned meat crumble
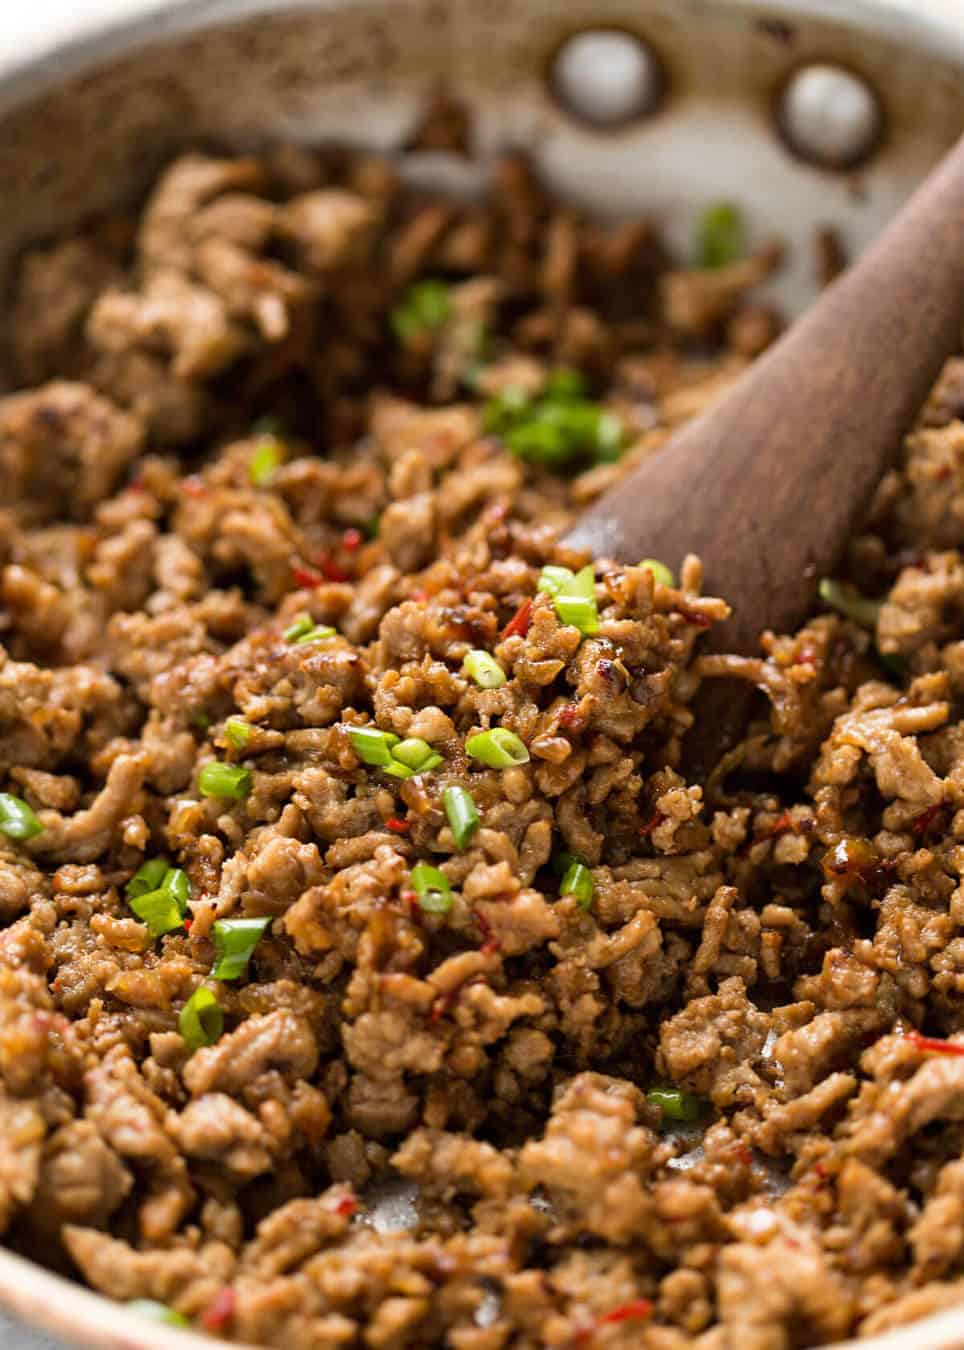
x=438 y=1127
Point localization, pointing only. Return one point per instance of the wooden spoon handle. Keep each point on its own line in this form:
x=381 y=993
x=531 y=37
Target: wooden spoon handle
x=766 y=484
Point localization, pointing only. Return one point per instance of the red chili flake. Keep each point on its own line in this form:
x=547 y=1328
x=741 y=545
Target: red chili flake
x=330 y=569
x=629 y=1312
x=352 y=539
x=637 y=1310
x=697 y=620
x=648 y=826
x=922 y=823
x=398 y=825
x=934 y=1043
x=220 y=1310
x=520 y=621
x=568 y=714
x=305 y=576
x=821 y=1171
x=807 y=656
x=491 y=942
x=347 y=1205
x=194 y=485
x=781 y=825
x=187 y=925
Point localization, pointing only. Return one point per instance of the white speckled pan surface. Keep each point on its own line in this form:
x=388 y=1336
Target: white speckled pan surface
x=93 y=97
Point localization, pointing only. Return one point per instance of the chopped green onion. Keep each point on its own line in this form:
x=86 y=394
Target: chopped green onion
x=159 y=910
x=315 y=633
x=848 y=601
x=504 y=408
x=424 y=306
x=234 y=942
x=302 y=625
x=201 y=1020
x=565 y=382
x=178 y=886
x=157 y=1312
x=264 y=461
x=498 y=748
x=370 y=526
x=555 y=580
x=463 y=815
x=396 y=769
x=578 y=612
x=573 y=595
x=148 y=877
x=556 y=428
x=217 y=779
x=432 y=888
x=414 y=752
x=560 y=862
x=660 y=571
x=578 y=882
x=675 y=1104
x=484 y=670
x=372 y=745
x=17 y=819
x=719 y=235
x=238 y=732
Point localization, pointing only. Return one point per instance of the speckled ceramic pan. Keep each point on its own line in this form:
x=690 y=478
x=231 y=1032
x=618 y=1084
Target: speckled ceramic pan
x=807 y=111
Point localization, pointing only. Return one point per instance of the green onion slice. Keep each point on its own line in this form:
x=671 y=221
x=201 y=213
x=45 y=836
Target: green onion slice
x=159 y=910
x=573 y=595
x=432 y=888
x=499 y=748
x=234 y=942
x=565 y=382
x=484 y=670
x=424 y=306
x=578 y=882
x=201 y=1020
x=676 y=1104
x=217 y=779
x=372 y=745
x=264 y=461
x=238 y=732
x=17 y=819
x=148 y=877
x=561 y=861
x=660 y=571
x=157 y=1312
x=414 y=752
x=315 y=633
x=719 y=235
x=848 y=601
x=463 y=815
x=578 y=612
x=177 y=884
x=302 y=625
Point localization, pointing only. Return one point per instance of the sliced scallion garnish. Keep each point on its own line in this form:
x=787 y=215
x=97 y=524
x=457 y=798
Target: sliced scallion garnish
x=462 y=813
x=201 y=1020
x=484 y=670
x=499 y=748
x=432 y=888
x=217 y=779
x=234 y=943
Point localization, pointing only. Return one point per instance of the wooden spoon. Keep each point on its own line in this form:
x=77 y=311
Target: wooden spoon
x=767 y=484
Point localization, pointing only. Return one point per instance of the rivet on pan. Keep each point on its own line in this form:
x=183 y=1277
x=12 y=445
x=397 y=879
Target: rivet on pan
x=606 y=77
x=830 y=116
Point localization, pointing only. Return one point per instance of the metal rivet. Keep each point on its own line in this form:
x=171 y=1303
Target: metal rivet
x=830 y=116
x=606 y=77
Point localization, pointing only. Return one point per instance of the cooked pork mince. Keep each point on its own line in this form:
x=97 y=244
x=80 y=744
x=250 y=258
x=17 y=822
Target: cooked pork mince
x=372 y=975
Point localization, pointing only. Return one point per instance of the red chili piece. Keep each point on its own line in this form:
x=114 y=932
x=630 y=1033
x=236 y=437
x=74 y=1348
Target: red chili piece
x=305 y=576
x=520 y=621
x=638 y=1309
x=697 y=620
x=331 y=570
x=347 y=1205
x=220 y=1310
x=397 y=825
x=648 y=826
x=352 y=539
x=781 y=825
x=187 y=925
x=920 y=824
x=490 y=941
x=934 y=1043
x=194 y=486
